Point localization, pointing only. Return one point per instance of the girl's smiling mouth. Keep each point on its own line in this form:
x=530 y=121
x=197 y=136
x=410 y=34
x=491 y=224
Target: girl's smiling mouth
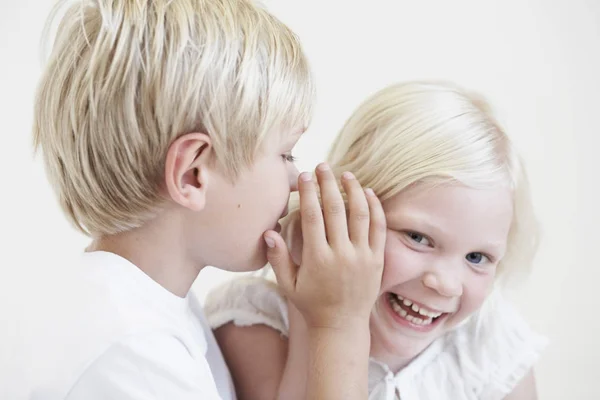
x=408 y=313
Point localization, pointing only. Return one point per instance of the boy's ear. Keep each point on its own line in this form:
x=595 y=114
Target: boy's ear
x=187 y=169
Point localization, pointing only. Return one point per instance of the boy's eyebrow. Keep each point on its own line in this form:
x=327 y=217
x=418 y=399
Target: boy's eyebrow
x=295 y=135
x=300 y=132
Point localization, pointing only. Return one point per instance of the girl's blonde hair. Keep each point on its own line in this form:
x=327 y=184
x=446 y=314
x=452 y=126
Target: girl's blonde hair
x=126 y=78
x=432 y=133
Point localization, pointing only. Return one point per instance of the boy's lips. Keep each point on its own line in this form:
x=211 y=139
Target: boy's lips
x=285 y=212
x=277 y=227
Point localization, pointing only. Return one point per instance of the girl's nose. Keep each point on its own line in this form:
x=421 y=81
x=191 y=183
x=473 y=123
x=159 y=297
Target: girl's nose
x=447 y=283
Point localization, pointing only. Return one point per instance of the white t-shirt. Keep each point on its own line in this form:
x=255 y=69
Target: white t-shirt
x=117 y=334
x=484 y=358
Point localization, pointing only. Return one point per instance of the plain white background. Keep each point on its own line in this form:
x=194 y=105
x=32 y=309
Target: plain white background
x=537 y=61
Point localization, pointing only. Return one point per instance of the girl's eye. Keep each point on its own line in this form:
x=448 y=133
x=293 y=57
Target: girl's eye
x=288 y=158
x=477 y=258
x=418 y=238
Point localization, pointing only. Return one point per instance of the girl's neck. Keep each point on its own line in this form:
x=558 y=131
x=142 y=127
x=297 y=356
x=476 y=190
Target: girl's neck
x=387 y=357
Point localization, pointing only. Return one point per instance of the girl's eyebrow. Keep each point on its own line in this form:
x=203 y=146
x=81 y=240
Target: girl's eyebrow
x=420 y=219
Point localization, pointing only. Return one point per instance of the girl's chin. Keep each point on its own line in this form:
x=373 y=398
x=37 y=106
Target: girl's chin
x=399 y=348
x=396 y=343
x=395 y=353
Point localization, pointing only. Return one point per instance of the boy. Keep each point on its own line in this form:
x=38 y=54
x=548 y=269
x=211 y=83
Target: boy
x=166 y=128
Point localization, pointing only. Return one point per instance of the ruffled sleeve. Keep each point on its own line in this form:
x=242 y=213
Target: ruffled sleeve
x=482 y=359
x=511 y=348
x=247 y=301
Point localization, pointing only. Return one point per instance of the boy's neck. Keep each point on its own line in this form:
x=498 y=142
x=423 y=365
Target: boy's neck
x=158 y=249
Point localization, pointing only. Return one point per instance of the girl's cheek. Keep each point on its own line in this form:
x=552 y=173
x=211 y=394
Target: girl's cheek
x=401 y=265
x=477 y=289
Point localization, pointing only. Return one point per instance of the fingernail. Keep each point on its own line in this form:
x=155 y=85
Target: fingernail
x=305 y=176
x=369 y=192
x=270 y=242
x=348 y=175
x=323 y=167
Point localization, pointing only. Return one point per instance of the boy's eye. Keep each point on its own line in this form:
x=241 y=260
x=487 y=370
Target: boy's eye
x=477 y=258
x=417 y=237
x=288 y=158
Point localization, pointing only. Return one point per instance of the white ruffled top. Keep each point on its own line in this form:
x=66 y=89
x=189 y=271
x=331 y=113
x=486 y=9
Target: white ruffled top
x=483 y=358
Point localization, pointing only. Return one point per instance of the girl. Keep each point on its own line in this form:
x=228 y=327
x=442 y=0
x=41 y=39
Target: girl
x=459 y=222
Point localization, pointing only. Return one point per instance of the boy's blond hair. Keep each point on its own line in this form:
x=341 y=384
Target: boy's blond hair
x=126 y=78
x=433 y=133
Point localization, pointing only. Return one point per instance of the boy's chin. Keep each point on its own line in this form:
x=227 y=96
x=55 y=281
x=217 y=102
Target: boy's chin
x=250 y=264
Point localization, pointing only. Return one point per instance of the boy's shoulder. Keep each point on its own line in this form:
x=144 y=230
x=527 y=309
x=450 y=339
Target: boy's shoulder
x=114 y=327
x=145 y=366
x=109 y=295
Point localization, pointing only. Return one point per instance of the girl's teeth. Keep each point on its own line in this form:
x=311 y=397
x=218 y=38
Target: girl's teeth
x=399 y=309
x=429 y=315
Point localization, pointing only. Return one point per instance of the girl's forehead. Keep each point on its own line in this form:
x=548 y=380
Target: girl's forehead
x=451 y=208
x=449 y=196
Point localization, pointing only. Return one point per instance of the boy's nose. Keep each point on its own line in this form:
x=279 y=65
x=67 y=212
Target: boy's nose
x=293 y=176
